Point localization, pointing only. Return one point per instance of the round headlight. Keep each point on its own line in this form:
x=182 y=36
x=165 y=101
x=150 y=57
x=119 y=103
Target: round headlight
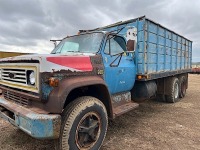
x=32 y=77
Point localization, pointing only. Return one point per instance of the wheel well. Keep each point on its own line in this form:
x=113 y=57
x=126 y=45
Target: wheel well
x=186 y=77
x=162 y=83
x=98 y=91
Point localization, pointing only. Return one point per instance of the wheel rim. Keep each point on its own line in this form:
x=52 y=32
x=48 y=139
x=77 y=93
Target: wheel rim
x=176 y=91
x=88 y=130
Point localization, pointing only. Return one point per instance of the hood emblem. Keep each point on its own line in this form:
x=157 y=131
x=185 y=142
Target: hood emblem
x=11 y=75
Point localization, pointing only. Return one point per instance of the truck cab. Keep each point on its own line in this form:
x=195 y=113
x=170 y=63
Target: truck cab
x=92 y=67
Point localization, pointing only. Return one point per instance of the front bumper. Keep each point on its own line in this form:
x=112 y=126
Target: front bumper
x=40 y=126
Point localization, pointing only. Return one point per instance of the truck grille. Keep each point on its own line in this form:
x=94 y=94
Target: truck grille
x=14 y=75
x=15 y=98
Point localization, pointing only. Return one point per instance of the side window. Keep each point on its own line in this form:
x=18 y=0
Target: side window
x=117 y=45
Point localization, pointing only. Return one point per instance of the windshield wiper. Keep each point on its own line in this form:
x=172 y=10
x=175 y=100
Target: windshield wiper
x=73 y=51
x=65 y=52
x=54 y=53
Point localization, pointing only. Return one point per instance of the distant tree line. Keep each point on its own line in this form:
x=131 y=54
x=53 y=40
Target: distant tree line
x=196 y=63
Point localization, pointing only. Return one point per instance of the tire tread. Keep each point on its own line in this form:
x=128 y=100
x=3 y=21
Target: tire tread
x=170 y=98
x=71 y=112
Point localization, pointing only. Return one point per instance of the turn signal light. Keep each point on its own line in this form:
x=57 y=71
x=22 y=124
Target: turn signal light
x=139 y=77
x=53 y=81
x=143 y=77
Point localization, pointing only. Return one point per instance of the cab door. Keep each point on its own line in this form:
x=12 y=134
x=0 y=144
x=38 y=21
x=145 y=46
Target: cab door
x=119 y=67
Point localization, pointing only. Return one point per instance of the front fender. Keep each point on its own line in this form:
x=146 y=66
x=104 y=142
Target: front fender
x=59 y=94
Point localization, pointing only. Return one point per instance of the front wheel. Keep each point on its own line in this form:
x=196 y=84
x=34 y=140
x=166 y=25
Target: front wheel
x=84 y=125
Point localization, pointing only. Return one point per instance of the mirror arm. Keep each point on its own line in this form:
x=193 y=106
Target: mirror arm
x=119 y=55
x=109 y=47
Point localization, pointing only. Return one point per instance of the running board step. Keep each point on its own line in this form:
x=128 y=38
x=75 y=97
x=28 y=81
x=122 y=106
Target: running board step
x=121 y=109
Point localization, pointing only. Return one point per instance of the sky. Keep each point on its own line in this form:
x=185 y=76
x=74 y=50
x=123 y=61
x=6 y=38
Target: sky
x=28 y=25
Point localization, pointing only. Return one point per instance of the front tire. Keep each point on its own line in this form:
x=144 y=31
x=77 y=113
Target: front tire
x=84 y=125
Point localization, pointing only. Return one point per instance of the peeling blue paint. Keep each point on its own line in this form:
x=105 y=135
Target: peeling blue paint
x=3 y=101
x=46 y=89
x=40 y=126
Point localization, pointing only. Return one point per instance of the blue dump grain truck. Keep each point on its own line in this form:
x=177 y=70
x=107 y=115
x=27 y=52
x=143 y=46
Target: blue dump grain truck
x=69 y=95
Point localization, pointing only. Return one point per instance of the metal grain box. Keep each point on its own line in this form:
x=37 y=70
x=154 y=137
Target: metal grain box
x=160 y=51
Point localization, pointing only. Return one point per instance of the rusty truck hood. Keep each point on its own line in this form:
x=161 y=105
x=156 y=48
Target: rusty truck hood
x=55 y=62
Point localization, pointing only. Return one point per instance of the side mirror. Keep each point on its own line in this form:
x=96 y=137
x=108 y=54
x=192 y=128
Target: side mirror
x=131 y=46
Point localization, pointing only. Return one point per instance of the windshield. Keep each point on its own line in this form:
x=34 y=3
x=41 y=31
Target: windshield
x=85 y=43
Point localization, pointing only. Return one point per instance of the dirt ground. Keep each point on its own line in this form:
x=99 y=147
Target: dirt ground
x=152 y=126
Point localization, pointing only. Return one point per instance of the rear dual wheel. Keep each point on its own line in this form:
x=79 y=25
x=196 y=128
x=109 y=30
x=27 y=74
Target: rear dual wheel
x=176 y=90
x=183 y=86
x=173 y=88
x=160 y=98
